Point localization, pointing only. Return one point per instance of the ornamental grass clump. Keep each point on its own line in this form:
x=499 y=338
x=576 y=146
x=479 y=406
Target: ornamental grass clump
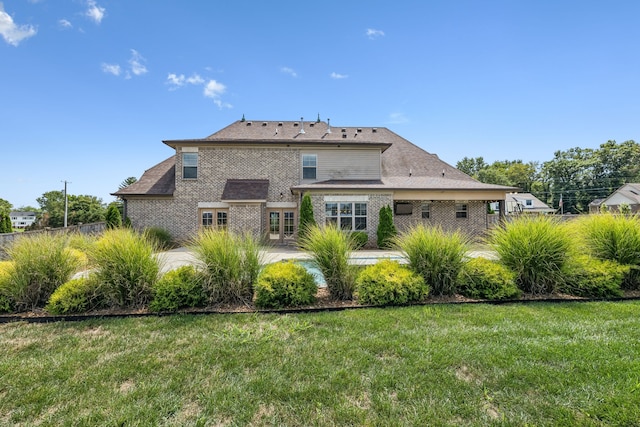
x=126 y=266
x=614 y=238
x=330 y=248
x=389 y=283
x=434 y=254
x=231 y=265
x=284 y=284
x=41 y=263
x=536 y=249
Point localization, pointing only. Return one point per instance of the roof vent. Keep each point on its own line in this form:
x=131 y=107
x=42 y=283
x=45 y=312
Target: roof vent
x=301 y=125
x=311 y=124
x=279 y=123
x=359 y=130
x=264 y=123
x=248 y=123
x=295 y=124
x=344 y=130
x=344 y=135
x=374 y=130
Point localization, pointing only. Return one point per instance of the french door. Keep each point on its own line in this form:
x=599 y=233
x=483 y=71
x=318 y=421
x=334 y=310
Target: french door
x=282 y=225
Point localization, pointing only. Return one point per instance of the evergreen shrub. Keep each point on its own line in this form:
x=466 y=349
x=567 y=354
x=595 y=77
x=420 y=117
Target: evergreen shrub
x=389 y=283
x=386 y=228
x=113 y=218
x=76 y=296
x=482 y=278
x=306 y=215
x=179 y=288
x=284 y=284
x=590 y=277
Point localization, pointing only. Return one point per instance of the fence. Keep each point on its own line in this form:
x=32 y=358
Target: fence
x=94 y=228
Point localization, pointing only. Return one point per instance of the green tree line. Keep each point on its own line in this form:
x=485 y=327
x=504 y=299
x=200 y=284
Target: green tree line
x=578 y=175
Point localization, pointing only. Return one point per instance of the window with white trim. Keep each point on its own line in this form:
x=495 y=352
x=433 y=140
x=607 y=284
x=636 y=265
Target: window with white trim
x=189 y=165
x=309 y=166
x=462 y=210
x=349 y=216
x=426 y=210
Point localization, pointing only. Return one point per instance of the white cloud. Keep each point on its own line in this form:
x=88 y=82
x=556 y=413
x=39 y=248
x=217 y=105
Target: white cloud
x=289 y=71
x=63 y=23
x=136 y=63
x=397 y=118
x=95 y=12
x=11 y=32
x=374 y=34
x=111 y=69
x=214 y=89
x=338 y=76
x=176 y=81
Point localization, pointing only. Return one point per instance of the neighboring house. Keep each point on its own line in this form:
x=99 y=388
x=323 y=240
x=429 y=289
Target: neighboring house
x=22 y=219
x=527 y=203
x=628 y=193
x=251 y=175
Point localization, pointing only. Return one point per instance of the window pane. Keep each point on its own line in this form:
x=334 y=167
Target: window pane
x=346 y=208
x=361 y=209
x=207 y=219
x=426 y=209
x=361 y=223
x=346 y=223
x=331 y=209
x=190 y=172
x=308 y=173
x=222 y=219
x=309 y=160
x=190 y=159
x=330 y=220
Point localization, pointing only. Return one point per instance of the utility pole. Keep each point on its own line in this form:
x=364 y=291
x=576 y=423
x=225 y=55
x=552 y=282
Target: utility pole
x=66 y=203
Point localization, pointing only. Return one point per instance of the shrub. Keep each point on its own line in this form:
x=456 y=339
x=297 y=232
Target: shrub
x=178 y=289
x=284 y=284
x=113 y=218
x=77 y=296
x=590 y=277
x=126 y=265
x=536 y=249
x=612 y=237
x=487 y=279
x=160 y=238
x=231 y=264
x=386 y=229
x=435 y=255
x=330 y=249
x=360 y=239
x=40 y=265
x=389 y=283
x=306 y=215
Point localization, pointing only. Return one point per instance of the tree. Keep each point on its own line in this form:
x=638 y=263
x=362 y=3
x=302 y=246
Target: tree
x=127 y=182
x=5 y=206
x=386 y=229
x=471 y=166
x=5 y=223
x=80 y=209
x=306 y=215
x=112 y=217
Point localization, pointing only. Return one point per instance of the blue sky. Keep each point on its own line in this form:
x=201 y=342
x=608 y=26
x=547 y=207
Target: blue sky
x=90 y=88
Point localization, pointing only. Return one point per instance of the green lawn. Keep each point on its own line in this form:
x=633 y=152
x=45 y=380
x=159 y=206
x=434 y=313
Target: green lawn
x=521 y=364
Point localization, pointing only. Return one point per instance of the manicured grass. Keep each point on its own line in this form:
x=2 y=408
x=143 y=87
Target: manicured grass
x=529 y=364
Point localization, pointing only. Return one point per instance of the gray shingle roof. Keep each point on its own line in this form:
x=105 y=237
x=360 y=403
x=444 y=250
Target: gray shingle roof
x=160 y=180
x=245 y=189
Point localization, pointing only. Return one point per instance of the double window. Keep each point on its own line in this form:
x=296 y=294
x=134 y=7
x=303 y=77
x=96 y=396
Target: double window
x=189 y=165
x=309 y=166
x=214 y=218
x=350 y=216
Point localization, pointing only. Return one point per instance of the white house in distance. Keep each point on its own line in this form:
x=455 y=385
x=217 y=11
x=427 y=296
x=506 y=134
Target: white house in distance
x=524 y=203
x=22 y=219
x=628 y=193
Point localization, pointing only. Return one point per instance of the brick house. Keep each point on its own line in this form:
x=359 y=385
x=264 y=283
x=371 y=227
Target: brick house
x=251 y=175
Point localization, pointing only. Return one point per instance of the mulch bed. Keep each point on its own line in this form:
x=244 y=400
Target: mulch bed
x=324 y=302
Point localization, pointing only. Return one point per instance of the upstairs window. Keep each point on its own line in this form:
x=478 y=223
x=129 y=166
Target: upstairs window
x=309 y=166
x=426 y=211
x=461 y=210
x=189 y=165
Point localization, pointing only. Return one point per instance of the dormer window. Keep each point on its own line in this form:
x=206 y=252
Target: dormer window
x=309 y=166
